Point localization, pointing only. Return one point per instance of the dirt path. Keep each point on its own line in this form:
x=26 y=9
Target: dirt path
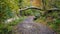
x=30 y=27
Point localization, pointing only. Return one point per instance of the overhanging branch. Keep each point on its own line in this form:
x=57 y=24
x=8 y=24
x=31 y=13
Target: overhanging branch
x=37 y=8
x=31 y=7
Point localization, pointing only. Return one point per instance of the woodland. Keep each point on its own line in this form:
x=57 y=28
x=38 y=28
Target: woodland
x=13 y=12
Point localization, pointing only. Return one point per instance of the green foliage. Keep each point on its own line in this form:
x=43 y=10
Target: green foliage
x=31 y=12
x=25 y=3
x=6 y=28
x=52 y=4
x=8 y=9
x=5 y=11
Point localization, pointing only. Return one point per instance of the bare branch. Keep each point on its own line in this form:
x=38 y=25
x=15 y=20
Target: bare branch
x=37 y=8
x=31 y=7
x=53 y=9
